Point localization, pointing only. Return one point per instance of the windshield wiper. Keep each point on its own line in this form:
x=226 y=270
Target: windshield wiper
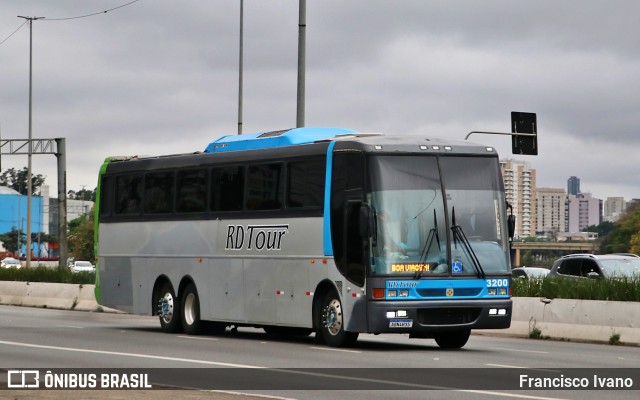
x=433 y=234
x=458 y=235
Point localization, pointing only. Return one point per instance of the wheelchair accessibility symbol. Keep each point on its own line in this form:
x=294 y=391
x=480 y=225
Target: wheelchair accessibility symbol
x=456 y=267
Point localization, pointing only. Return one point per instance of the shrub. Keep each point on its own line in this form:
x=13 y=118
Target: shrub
x=46 y=274
x=626 y=289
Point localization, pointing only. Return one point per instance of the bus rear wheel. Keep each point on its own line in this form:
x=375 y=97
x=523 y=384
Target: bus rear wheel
x=191 y=323
x=452 y=340
x=168 y=309
x=331 y=324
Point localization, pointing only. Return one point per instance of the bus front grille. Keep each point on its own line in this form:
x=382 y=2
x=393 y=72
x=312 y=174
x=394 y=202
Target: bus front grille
x=448 y=316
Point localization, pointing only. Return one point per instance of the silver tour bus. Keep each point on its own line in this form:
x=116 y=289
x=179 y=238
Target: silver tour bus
x=322 y=230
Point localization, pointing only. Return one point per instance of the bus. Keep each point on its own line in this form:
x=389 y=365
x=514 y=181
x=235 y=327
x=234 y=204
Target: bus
x=323 y=230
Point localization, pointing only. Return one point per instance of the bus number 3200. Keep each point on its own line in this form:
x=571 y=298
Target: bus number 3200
x=497 y=282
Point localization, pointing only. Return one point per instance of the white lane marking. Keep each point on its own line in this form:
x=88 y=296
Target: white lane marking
x=196 y=338
x=504 y=366
x=339 y=350
x=515 y=366
x=264 y=396
x=117 y=353
x=516 y=395
x=296 y=372
x=70 y=326
x=522 y=351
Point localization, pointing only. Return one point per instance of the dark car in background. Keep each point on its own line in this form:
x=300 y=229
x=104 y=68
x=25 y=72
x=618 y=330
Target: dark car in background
x=597 y=266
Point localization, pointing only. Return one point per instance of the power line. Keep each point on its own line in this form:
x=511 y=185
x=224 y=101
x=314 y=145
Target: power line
x=92 y=14
x=7 y=38
x=68 y=18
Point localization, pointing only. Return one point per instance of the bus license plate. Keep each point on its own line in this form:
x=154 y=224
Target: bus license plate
x=401 y=323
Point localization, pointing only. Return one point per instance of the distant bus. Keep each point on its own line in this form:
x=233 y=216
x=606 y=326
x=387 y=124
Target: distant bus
x=322 y=230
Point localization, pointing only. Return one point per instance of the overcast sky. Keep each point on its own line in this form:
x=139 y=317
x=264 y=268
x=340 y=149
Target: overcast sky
x=161 y=77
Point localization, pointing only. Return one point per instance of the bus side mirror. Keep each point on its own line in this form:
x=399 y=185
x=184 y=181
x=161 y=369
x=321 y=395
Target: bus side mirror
x=511 y=225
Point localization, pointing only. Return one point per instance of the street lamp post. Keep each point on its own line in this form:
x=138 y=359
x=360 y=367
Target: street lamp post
x=302 y=39
x=29 y=183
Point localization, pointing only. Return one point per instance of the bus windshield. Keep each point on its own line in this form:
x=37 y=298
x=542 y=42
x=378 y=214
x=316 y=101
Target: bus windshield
x=437 y=216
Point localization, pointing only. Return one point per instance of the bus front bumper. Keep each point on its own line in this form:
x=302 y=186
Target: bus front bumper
x=438 y=316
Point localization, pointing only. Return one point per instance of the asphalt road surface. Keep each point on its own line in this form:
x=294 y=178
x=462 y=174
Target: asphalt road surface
x=248 y=361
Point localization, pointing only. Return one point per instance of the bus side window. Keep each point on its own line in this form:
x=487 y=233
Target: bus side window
x=227 y=188
x=191 y=191
x=106 y=196
x=264 y=187
x=128 y=195
x=158 y=192
x=306 y=183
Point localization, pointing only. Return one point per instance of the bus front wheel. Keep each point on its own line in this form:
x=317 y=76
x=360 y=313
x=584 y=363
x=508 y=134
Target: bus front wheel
x=168 y=309
x=331 y=324
x=191 y=323
x=452 y=340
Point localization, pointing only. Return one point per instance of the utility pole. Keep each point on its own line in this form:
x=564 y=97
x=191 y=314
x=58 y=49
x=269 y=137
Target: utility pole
x=302 y=38
x=29 y=183
x=240 y=67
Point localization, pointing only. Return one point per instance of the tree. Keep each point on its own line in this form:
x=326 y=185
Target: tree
x=80 y=239
x=10 y=240
x=635 y=243
x=17 y=180
x=88 y=195
x=620 y=238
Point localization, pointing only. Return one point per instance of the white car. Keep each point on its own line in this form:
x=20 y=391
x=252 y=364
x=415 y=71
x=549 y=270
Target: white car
x=82 y=266
x=11 y=263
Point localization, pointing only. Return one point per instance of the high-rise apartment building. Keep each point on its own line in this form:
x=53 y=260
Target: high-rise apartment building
x=520 y=191
x=573 y=186
x=614 y=207
x=582 y=212
x=550 y=211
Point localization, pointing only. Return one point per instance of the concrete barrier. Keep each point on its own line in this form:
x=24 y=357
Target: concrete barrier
x=577 y=320
x=49 y=295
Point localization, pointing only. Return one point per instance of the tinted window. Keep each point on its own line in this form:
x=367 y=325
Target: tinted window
x=306 y=183
x=346 y=199
x=158 y=193
x=227 y=189
x=128 y=194
x=106 y=194
x=570 y=267
x=264 y=187
x=191 y=187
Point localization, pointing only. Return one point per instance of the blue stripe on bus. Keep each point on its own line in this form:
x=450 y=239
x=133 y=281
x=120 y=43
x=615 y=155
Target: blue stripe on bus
x=291 y=137
x=327 y=243
x=447 y=289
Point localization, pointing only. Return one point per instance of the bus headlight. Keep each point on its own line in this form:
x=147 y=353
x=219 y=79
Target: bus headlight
x=392 y=293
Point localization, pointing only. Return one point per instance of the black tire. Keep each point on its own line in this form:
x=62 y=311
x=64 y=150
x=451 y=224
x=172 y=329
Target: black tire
x=331 y=323
x=452 y=340
x=168 y=309
x=191 y=323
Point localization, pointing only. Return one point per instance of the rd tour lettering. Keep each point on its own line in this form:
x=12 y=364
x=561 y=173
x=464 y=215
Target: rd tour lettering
x=256 y=237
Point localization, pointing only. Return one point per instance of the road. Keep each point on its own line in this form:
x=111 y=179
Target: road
x=54 y=339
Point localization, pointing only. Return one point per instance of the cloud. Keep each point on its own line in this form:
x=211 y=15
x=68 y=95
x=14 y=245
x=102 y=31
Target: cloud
x=160 y=77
